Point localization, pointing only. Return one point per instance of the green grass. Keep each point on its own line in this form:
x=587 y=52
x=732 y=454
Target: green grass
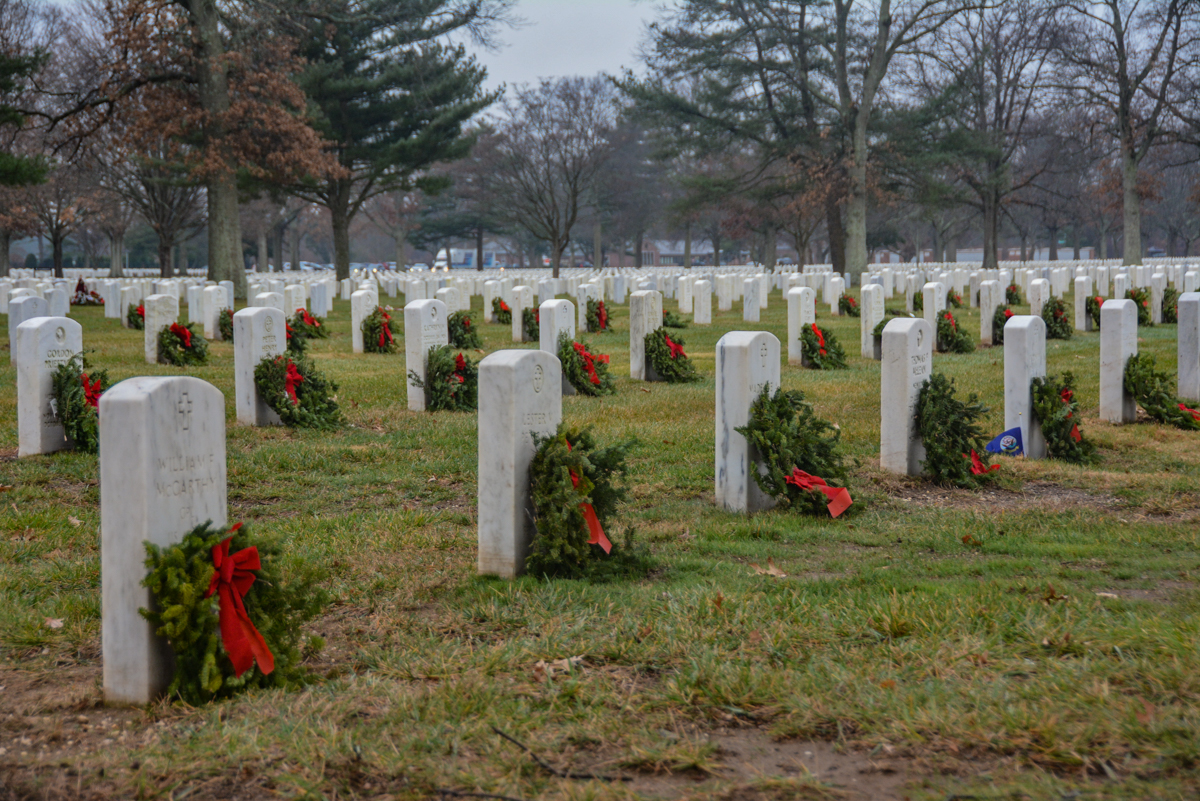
x=990 y=667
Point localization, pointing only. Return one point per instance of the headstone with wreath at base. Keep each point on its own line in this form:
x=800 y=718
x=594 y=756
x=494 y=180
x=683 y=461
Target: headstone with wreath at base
x=258 y=333
x=1188 y=346
x=933 y=295
x=802 y=312
x=991 y=297
x=42 y=344
x=520 y=395
x=645 y=316
x=1158 y=287
x=871 y=315
x=294 y=298
x=746 y=361
x=1083 y=290
x=424 y=328
x=1024 y=360
x=162 y=473
x=1118 y=343
x=522 y=299
x=214 y=303
x=271 y=300
x=362 y=303
x=907 y=365
x=161 y=311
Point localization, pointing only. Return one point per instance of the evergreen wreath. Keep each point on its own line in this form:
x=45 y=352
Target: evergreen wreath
x=1170 y=306
x=788 y=437
x=501 y=312
x=574 y=497
x=1056 y=410
x=667 y=359
x=187 y=612
x=531 y=324
x=878 y=332
x=673 y=320
x=136 y=316
x=951 y=338
x=597 y=317
x=296 y=344
x=378 y=332
x=182 y=345
x=1152 y=389
x=462 y=330
x=950 y=431
x=848 y=306
x=1012 y=295
x=1141 y=298
x=587 y=372
x=820 y=350
x=918 y=301
x=296 y=391
x=451 y=381
x=1093 y=305
x=1058 y=322
x=76 y=397
x=307 y=326
x=953 y=299
x=225 y=324
x=999 y=319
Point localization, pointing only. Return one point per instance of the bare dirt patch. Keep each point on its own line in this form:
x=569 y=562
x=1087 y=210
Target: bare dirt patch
x=1034 y=495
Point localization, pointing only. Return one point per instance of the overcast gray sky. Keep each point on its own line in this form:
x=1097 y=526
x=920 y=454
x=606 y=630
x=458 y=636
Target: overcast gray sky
x=568 y=37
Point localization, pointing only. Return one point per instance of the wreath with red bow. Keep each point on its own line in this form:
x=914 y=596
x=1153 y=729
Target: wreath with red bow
x=950 y=337
x=574 y=499
x=999 y=319
x=1153 y=389
x=75 y=393
x=848 y=306
x=951 y=433
x=307 y=326
x=378 y=330
x=225 y=324
x=597 y=317
x=230 y=619
x=666 y=357
x=462 y=331
x=1093 y=305
x=296 y=391
x=820 y=350
x=501 y=312
x=953 y=299
x=587 y=372
x=1057 y=412
x=135 y=317
x=531 y=324
x=1058 y=322
x=451 y=381
x=182 y=345
x=1141 y=298
x=1012 y=295
x=1170 y=306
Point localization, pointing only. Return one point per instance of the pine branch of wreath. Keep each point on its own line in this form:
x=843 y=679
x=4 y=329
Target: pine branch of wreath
x=950 y=432
x=667 y=358
x=1153 y=389
x=182 y=349
x=76 y=392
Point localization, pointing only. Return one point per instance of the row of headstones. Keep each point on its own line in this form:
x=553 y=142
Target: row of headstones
x=57 y=294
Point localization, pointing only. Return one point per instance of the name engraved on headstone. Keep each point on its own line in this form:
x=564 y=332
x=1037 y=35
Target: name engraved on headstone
x=535 y=419
x=198 y=474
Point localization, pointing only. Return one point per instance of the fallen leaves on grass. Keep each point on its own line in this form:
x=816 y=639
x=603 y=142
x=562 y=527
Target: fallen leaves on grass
x=543 y=670
x=54 y=622
x=769 y=570
x=75 y=521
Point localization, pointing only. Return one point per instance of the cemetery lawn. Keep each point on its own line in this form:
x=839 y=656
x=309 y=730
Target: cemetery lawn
x=1036 y=639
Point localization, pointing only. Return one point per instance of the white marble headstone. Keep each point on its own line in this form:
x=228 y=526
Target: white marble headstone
x=20 y=309
x=1024 y=360
x=425 y=327
x=751 y=287
x=161 y=311
x=871 y=315
x=1188 y=346
x=557 y=317
x=746 y=361
x=645 y=317
x=1118 y=342
x=258 y=333
x=701 y=302
x=42 y=344
x=907 y=365
x=802 y=312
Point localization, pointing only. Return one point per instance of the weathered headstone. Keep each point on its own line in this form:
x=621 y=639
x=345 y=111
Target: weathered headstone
x=449 y=296
x=991 y=297
x=1118 y=342
x=230 y=292
x=557 y=317
x=746 y=361
x=645 y=316
x=424 y=328
x=162 y=473
x=491 y=290
x=750 y=305
x=1024 y=360
x=522 y=299
x=57 y=302
x=1039 y=295
x=802 y=312
x=272 y=300
x=907 y=365
x=42 y=344
x=1083 y=290
x=871 y=315
x=214 y=302
x=837 y=288
x=362 y=303
x=520 y=394
x=701 y=302
x=258 y=333
x=1120 y=284
x=933 y=295
x=1188 y=346
x=684 y=293
x=1191 y=281
x=20 y=309
x=161 y=311
x=1158 y=287
x=320 y=299
x=294 y=298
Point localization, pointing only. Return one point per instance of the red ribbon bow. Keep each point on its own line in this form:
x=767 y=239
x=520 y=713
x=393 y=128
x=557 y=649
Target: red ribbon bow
x=820 y=338
x=1008 y=313
x=91 y=394
x=1067 y=395
x=1075 y=435
x=504 y=306
x=589 y=362
x=839 y=497
x=466 y=322
x=289 y=330
x=950 y=317
x=385 y=333
x=595 y=532
x=184 y=334
x=602 y=315
x=460 y=364
x=676 y=349
x=141 y=311
x=977 y=467
x=1195 y=414
x=1099 y=301
x=308 y=318
x=292 y=378
x=231 y=580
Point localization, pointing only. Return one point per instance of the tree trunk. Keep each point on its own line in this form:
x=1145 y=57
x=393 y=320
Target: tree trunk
x=772 y=248
x=638 y=243
x=164 y=259
x=837 y=233
x=716 y=242
x=1132 y=206
x=6 y=246
x=856 y=201
x=951 y=250
x=1075 y=242
x=991 y=230
x=262 y=260
x=687 y=246
x=597 y=246
x=556 y=250
x=1053 y=243
x=1024 y=248
x=58 y=249
x=277 y=238
x=339 y=214
x=296 y=237
x=1103 y=244
x=225 y=234
x=479 y=248
x=116 y=256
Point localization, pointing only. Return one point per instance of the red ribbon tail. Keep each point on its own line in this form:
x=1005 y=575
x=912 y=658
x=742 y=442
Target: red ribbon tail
x=839 y=499
x=1075 y=435
x=596 y=532
x=243 y=642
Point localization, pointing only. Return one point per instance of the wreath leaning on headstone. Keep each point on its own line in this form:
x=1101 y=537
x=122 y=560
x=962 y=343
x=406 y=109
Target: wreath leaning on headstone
x=76 y=396
x=182 y=345
x=306 y=325
x=950 y=432
x=377 y=331
x=918 y=301
x=1141 y=298
x=798 y=454
x=820 y=350
x=999 y=319
x=1170 y=305
x=296 y=391
x=451 y=381
x=673 y=320
x=501 y=312
x=225 y=324
x=1058 y=322
x=951 y=338
x=462 y=330
x=574 y=496
x=1152 y=389
x=531 y=324
x=953 y=299
x=667 y=358
x=597 y=317
x=1056 y=410
x=1012 y=295
x=1093 y=305
x=136 y=316
x=296 y=343
x=587 y=372
x=227 y=615
x=848 y=306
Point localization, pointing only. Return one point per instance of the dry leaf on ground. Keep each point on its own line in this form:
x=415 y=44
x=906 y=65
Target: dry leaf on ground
x=75 y=521
x=54 y=623
x=543 y=670
x=769 y=570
